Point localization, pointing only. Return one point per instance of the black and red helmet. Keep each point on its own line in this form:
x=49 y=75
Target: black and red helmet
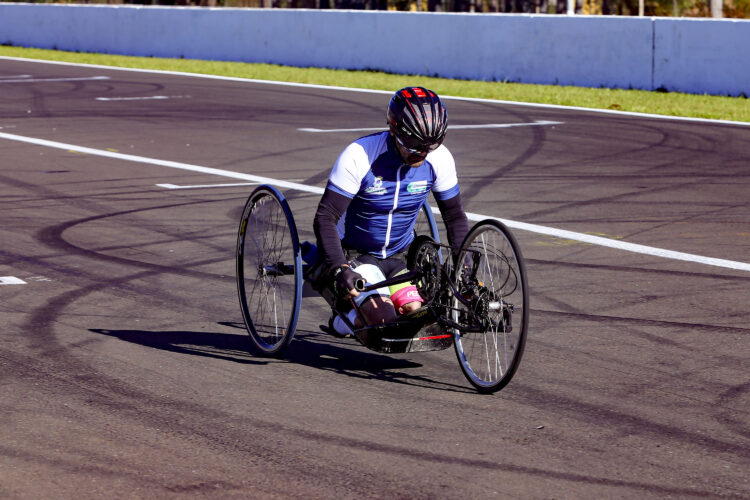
x=418 y=119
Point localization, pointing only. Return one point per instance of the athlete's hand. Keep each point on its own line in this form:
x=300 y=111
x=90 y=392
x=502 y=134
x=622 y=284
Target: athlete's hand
x=346 y=282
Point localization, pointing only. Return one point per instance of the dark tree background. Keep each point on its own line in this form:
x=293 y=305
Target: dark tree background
x=686 y=8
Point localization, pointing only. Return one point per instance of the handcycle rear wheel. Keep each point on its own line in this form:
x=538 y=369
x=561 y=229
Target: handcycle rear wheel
x=490 y=358
x=269 y=271
x=426 y=224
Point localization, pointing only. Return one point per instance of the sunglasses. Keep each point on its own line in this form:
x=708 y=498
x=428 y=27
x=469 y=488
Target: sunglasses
x=416 y=148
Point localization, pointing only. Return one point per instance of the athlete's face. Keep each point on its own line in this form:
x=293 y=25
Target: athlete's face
x=411 y=157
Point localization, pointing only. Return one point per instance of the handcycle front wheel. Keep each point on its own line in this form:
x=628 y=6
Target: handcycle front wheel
x=269 y=271
x=490 y=358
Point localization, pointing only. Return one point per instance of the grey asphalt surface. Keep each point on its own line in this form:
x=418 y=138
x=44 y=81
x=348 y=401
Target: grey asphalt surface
x=124 y=369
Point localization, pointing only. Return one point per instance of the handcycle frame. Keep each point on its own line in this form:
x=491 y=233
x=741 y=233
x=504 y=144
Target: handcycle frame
x=461 y=308
x=406 y=333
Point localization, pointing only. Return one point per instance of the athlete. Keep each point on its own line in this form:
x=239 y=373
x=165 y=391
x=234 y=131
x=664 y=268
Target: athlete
x=364 y=222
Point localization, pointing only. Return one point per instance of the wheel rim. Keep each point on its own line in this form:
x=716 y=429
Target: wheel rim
x=425 y=223
x=490 y=358
x=269 y=290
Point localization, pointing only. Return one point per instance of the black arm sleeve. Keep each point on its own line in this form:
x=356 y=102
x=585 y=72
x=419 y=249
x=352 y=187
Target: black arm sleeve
x=456 y=223
x=330 y=209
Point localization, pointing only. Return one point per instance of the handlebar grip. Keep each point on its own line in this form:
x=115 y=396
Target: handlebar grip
x=360 y=285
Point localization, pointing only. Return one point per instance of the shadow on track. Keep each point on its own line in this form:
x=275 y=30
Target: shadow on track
x=213 y=345
x=349 y=358
x=309 y=348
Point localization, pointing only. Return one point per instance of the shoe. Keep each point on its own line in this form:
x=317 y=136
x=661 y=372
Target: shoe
x=338 y=327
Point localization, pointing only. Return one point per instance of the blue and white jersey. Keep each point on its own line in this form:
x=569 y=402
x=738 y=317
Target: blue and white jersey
x=386 y=194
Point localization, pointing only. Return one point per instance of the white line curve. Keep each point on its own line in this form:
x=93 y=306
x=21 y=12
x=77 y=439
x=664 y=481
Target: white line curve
x=534 y=228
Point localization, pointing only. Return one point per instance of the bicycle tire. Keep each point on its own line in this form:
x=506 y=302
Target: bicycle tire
x=426 y=224
x=489 y=359
x=269 y=271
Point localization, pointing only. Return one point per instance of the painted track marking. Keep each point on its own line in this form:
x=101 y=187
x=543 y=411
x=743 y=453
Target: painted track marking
x=11 y=280
x=452 y=127
x=199 y=186
x=146 y=98
x=35 y=80
x=534 y=228
x=384 y=92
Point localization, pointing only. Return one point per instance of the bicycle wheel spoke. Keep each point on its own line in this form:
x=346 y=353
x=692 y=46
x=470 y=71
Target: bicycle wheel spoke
x=489 y=358
x=271 y=294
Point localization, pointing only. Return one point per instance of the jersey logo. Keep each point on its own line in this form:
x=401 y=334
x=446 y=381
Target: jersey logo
x=417 y=187
x=377 y=187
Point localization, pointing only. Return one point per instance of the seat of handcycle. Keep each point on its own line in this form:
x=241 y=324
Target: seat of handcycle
x=414 y=332
x=417 y=331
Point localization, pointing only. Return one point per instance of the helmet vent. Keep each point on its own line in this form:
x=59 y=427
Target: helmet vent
x=418 y=117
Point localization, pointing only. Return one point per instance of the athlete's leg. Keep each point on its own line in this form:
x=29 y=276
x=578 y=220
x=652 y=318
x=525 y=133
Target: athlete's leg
x=405 y=297
x=374 y=306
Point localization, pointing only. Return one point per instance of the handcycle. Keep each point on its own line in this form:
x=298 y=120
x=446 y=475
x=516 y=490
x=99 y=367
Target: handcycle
x=475 y=296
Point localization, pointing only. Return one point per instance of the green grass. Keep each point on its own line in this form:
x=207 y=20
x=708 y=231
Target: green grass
x=663 y=103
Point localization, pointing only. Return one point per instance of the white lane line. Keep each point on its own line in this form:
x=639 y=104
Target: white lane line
x=452 y=127
x=536 y=123
x=11 y=280
x=162 y=163
x=558 y=233
x=33 y=80
x=616 y=244
x=384 y=92
x=148 y=98
x=13 y=77
x=199 y=186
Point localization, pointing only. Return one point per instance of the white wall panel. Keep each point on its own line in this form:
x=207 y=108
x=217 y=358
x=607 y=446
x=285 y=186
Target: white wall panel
x=702 y=56
x=626 y=52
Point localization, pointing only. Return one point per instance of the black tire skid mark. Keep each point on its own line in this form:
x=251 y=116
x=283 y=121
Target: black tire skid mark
x=732 y=422
x=647 y=322
x=44 y=318
x=278 y=154
x=139 y=88
x=101 y=387
x=635 y=367
x=53 y=233
x=73 y=373
x=579 y=250
x=102 y=466
x=636 y=270
x=721 y=404
x=322 y=175
x=735 y=419
x=250 y=439
x=538 y=215
x=45 y=321
x=628 y=424
x=540 y=134
x=691 y=142
x=52 y=237
x=312 y=349
x=471 y=189
x=646 y=273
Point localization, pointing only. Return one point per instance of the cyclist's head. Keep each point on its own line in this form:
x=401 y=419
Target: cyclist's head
x=418 y=121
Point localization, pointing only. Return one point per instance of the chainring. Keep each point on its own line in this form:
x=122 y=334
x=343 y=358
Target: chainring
x=424 y=257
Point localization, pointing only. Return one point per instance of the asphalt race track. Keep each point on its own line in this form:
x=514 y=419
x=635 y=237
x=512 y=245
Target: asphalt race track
x=124 y=369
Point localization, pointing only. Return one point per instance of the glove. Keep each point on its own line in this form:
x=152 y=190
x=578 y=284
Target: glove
x=346 y=279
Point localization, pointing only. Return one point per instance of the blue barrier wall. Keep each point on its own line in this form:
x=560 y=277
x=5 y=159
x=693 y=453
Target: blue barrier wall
x=698 y=56
x=702 y=56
